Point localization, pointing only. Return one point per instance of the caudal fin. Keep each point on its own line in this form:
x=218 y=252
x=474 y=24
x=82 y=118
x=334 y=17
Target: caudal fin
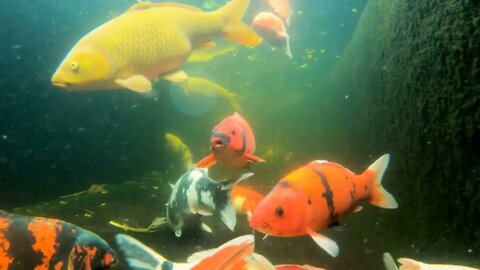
x=139 y=256
x=233 y=255
x=380 y=197
x=235 y=30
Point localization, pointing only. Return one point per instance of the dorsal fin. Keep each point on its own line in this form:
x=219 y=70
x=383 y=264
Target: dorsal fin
x=147 y=5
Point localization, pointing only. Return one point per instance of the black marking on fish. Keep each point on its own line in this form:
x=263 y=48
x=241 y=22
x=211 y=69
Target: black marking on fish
x=67 y=236
x=244 y=142
x=21 y=241
x=328 y=195
x=179 y=213
x=334 y=224
x=353 y=191
x=224 y=137
x=309 y=201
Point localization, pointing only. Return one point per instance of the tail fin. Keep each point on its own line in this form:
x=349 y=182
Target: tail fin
x=380 y=197
x=258 y=261
x=227 y=209
x=389 y=262
x=139 y=256
x=233 y=255
x=235 y=30
x=409 y=264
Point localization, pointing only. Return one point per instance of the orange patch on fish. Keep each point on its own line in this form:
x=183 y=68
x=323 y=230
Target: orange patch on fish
x=45 y=239
x=245 y=199
x=58 y=266
x=228 y=257
x=5 y=259
x=282 y=8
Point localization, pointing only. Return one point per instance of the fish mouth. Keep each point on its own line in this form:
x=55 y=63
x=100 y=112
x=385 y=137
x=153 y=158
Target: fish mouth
x=59 y=84
x=261 y=226
x=217 y=144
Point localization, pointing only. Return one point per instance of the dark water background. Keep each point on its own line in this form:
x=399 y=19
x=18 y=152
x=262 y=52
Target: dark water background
x=404 y=82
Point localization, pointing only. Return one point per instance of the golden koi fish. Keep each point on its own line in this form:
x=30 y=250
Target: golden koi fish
x=179 y=147
x=205 y=87
x=147 y=41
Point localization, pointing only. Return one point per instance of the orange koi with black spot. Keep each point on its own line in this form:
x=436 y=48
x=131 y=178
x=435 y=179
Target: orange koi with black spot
x=315 y=196
x=43 y=243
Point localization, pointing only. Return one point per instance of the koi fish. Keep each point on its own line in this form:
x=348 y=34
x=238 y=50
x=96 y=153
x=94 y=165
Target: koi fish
x=232 y=255
x=236 y=254
x=271 y=28
x=206 y=87
x=245 y=199
x=149 y=40
x=181 y=149
x=315 y=196
x=409 y=264
x=196 y=195
x=44 y=243
x=282 y=8
x=232 y=144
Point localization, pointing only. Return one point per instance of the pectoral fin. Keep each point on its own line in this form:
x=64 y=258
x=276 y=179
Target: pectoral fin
x=253 y=158
x=206 y=162
x=207 y=45
x=176 y=77
x=324 y=242
x=229 y=216
x=137 y=83
x=206 y=228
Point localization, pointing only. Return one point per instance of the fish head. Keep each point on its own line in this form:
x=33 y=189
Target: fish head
x=91 y=252
x=282 y=212
x=267 y=21
x=81 y=69
x=232 y=135
x=227 y=136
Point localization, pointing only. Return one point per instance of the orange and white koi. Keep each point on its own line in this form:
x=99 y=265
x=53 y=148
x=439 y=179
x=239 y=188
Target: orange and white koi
x=236 y=254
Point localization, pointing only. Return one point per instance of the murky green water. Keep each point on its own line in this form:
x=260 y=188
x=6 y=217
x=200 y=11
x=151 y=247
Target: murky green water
x=366 y=78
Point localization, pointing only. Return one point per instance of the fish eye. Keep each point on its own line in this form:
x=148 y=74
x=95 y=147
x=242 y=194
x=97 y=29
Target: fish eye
x=74 y=66
x=279 y=211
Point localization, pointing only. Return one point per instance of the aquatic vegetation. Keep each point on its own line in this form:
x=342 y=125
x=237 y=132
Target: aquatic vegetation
x=368 y=77
x=93 y=189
